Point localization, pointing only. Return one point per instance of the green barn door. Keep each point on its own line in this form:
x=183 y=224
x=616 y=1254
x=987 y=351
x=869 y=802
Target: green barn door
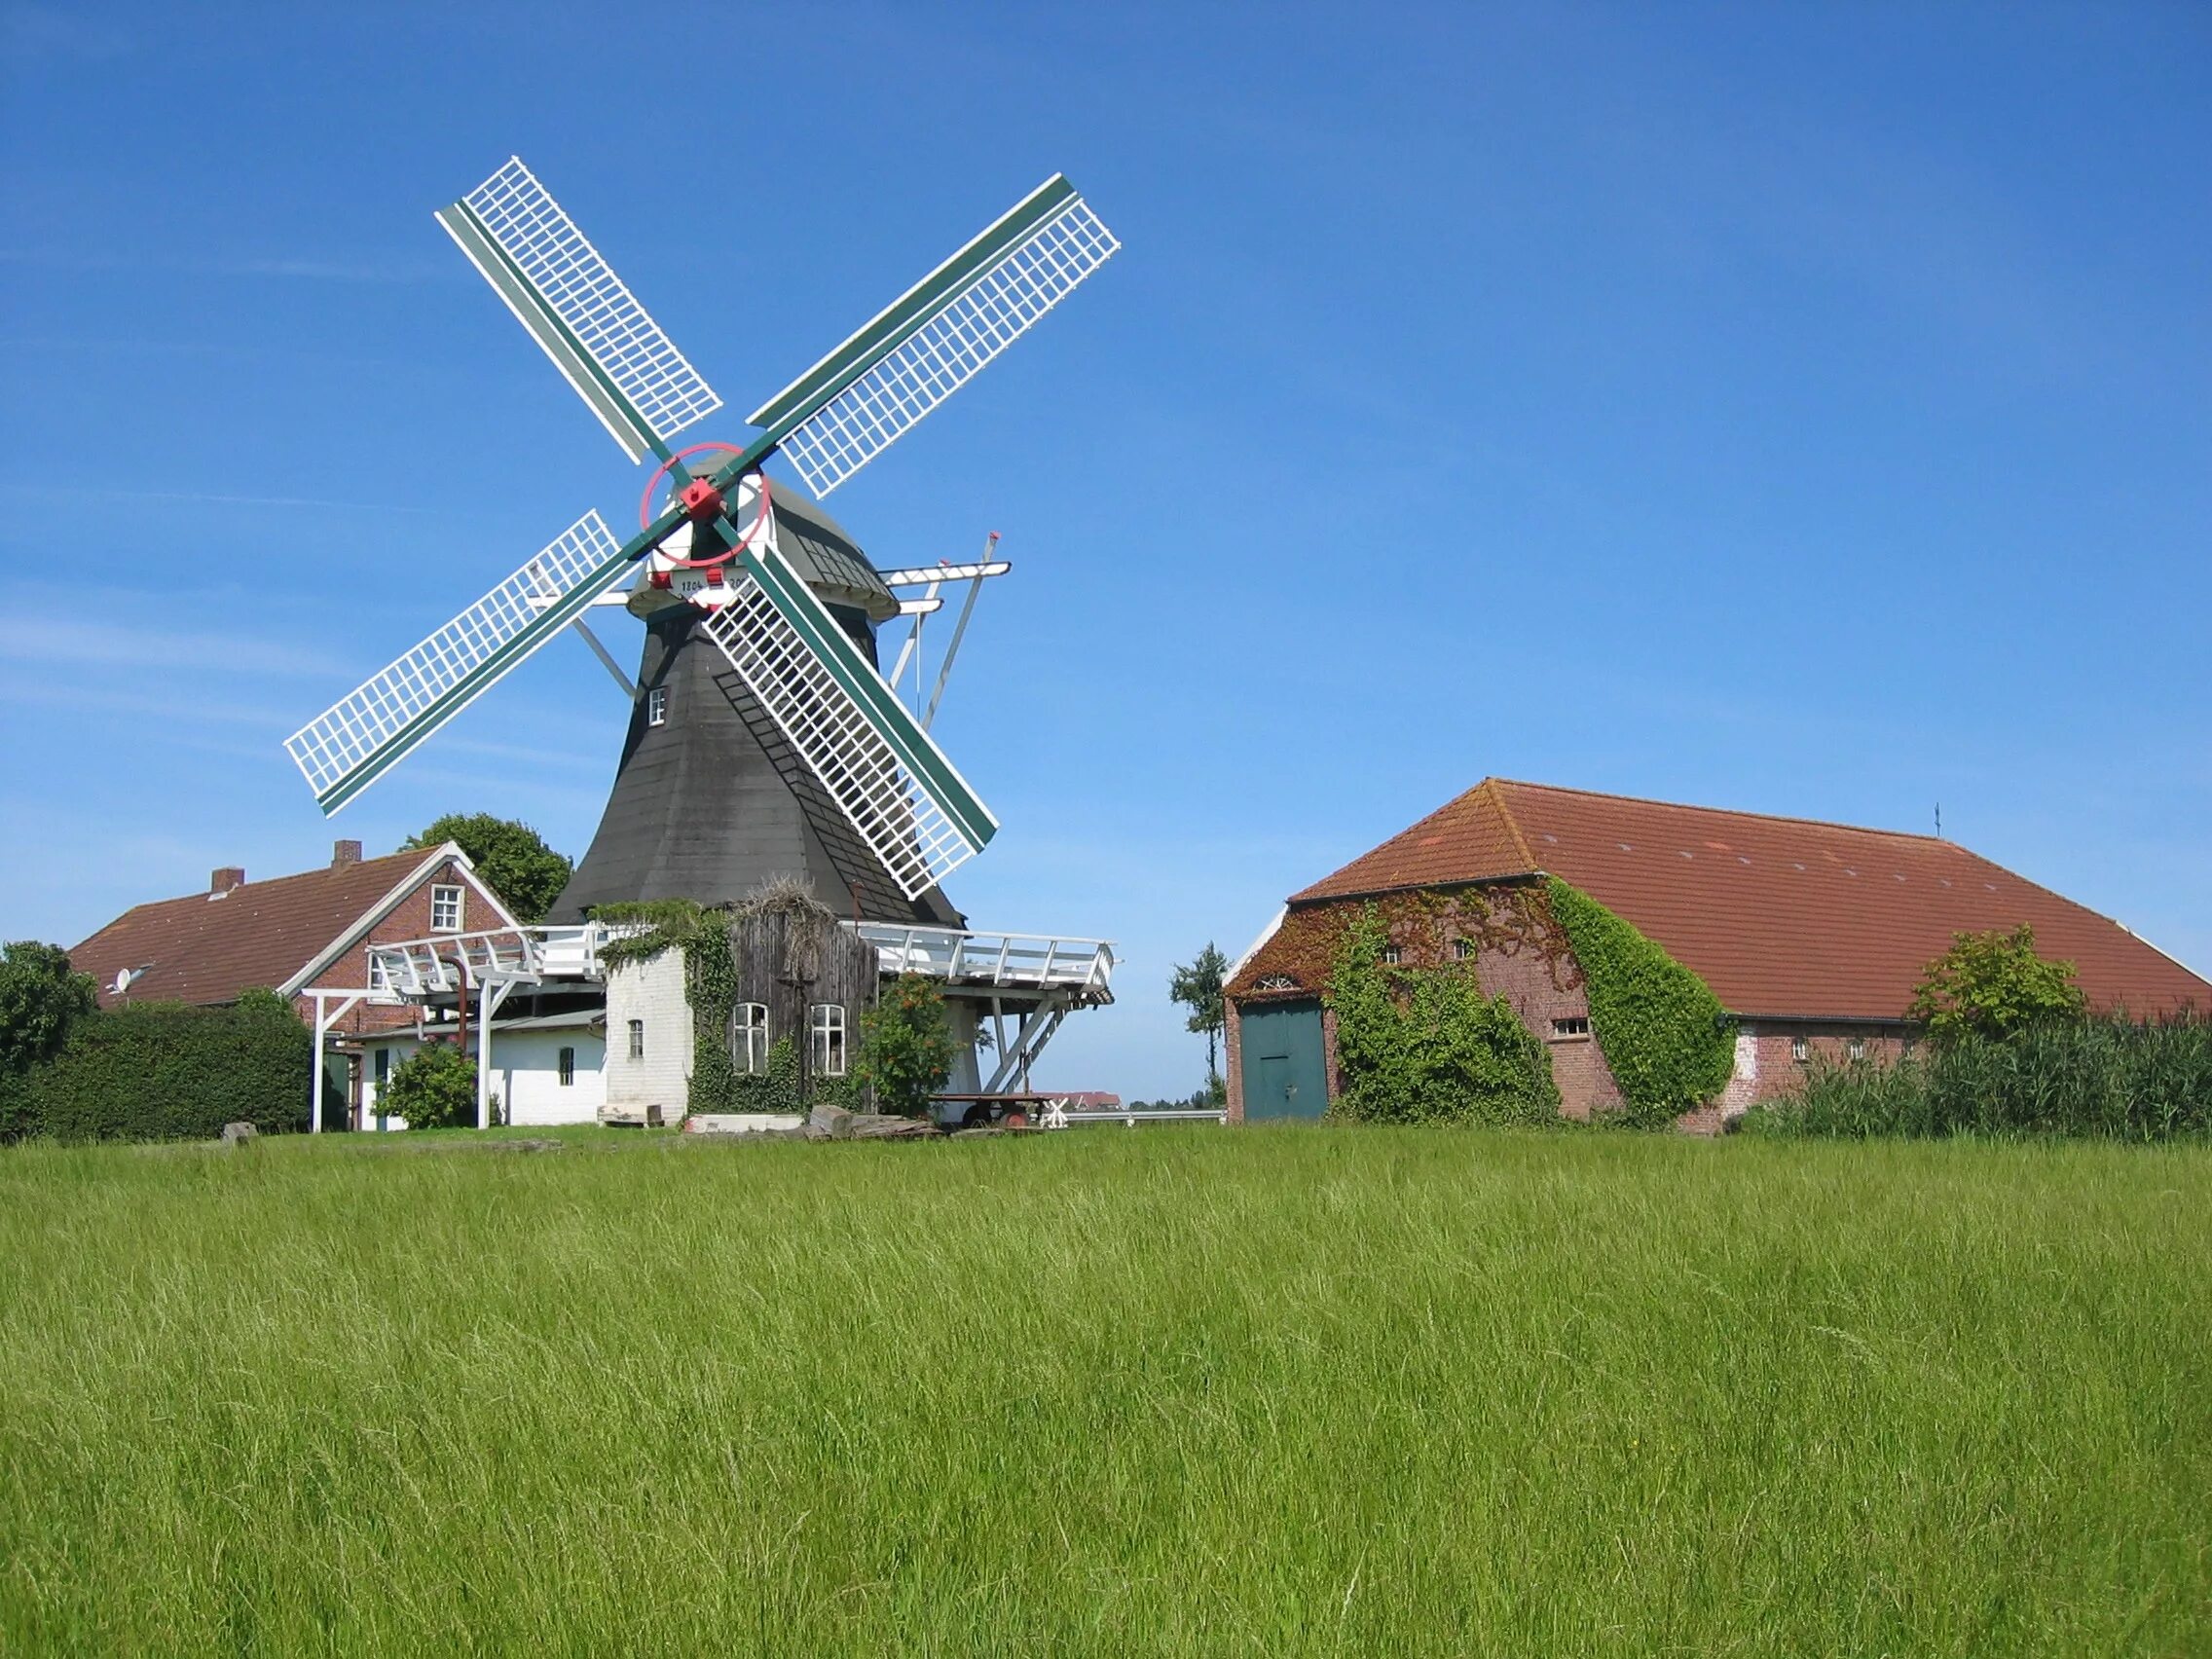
x=1283 y=1074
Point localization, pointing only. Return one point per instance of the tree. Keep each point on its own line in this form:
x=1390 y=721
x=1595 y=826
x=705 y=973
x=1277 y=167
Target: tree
x=905 y=1052
x=1991 y=984
x=433 y=1089
x=1197 y=987
x=510 y=855
x=39 y=998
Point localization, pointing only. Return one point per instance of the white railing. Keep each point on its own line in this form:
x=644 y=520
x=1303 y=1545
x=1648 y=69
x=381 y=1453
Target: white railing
x=989 y=958
x=448 y=962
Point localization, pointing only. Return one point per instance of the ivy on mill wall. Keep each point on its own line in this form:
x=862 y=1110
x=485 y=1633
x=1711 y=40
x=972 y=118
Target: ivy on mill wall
x=709 y=986
x=1669 y=1043
x=1427 y=1046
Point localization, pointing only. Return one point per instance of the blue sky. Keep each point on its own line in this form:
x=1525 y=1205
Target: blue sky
x=1800 y=410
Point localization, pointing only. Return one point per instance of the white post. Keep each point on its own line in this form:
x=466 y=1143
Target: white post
x=315 y=1085
x=484 y=1058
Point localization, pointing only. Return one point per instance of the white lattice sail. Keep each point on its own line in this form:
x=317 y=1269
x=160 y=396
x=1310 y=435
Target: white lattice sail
x=887 y=776
x=623 y=365
x=846 y=410
x=347 y=747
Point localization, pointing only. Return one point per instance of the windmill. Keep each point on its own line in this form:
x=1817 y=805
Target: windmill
x=717 y=570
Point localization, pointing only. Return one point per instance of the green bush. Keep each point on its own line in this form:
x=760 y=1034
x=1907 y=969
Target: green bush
x=1667 y=1042
x=1991 y=984
x=1426 y=1046
x=433 y=1089
x=2090 y=1079
x=906 y=1048
x=162 y=1071
x=39 y=998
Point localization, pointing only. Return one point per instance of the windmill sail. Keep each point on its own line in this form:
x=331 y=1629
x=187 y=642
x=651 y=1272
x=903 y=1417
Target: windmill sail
x=354 y=741
x=922 y=347
x=641 y=386
x=894 y=785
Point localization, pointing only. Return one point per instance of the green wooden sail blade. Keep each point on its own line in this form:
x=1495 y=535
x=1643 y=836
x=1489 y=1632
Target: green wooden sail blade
x=365 y=733
x=929 y=342
x=899 y=790
x=620 y=362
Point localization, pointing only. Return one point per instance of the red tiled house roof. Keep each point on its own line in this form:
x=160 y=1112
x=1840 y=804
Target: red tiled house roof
x=1781 y=916
x=208 y=947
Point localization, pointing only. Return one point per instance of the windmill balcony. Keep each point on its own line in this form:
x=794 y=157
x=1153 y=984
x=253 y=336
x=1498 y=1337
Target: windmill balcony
x=417 y=969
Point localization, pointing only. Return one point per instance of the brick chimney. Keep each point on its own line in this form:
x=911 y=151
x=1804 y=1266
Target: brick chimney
x=344 y=853
x=226 y=878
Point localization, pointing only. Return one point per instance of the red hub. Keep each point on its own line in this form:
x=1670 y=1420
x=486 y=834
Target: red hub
x=701 y=501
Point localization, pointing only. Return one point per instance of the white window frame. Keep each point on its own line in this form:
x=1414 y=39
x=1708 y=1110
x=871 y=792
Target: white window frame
x=748 y=1038
x=565 y=1068
x=826 y=1038
x=380 y=976
x=1462 y=950
x=1801 y=1049
x=656 y=705
x=1857 y=1049
x=1570 y=1025
x=1393 y=956
x=440 y=892
x=637 y=1039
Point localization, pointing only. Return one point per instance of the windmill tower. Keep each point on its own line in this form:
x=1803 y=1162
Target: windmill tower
x=763 y=736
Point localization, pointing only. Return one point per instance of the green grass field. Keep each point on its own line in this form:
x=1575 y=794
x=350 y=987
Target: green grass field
x=1186 y=1391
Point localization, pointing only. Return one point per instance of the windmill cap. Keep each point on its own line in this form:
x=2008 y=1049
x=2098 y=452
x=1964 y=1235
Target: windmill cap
x=825 y=557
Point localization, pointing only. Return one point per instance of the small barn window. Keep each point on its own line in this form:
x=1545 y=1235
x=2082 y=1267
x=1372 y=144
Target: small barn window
x=1393 y=954
x=827 y=1027
x=445 y=909
x=1462 y=949
x=568 y=1068
x=1857 y=1050
x=1800 y=1050
x=1275 y=983
x=748 y=1038
x=656 y=705
x=637 y=1039
x=1572 y=1025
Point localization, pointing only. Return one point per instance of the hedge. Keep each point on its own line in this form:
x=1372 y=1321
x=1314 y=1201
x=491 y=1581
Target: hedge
x=162 y=1071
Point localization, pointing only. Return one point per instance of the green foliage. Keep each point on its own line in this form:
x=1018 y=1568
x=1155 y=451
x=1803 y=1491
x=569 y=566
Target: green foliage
x=510 y=855
x=39 y=999
x=1197 y=987
x=2092 y=1078
x=433 y=1089
x=162 y=1071
x=1667 y=1042
x=662 y=924
x=1426 y=1046
x=1992 y=984
x=905 y=1046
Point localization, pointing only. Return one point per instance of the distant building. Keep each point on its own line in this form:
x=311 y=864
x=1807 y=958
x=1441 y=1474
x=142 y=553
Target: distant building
x=297 y=935
x=1813 y=936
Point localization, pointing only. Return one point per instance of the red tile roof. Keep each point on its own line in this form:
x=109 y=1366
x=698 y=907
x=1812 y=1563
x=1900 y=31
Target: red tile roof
x=1781 y=916
x=208 y=947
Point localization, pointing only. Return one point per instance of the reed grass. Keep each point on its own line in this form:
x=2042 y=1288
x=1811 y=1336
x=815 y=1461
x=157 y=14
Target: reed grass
x=1166 y=1391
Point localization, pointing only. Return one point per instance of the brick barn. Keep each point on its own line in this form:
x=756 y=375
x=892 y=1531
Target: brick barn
x=1812 y=935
